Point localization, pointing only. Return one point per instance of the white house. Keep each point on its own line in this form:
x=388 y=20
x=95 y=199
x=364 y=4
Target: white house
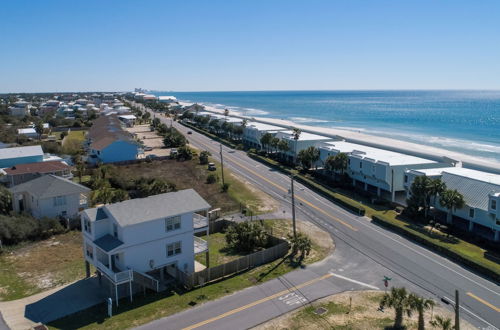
x=254 y=131
x=305 y=141
x=167 y=99
x=145 y=237
x=481 y=191
x=377 y=170
x=20 y=109
x=50 y=196
x=28 y=132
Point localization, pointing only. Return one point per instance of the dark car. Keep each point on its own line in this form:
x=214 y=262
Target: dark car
x=189 y=132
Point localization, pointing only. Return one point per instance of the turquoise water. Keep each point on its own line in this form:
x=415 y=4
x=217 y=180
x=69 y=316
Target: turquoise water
x=463 y=121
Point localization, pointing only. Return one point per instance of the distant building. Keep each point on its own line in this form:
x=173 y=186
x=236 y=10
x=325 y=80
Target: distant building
x=149 y=98
x=481 y=191
x=28 y=132
x=128 y=120
x=20 y=109
x=20 y=155
x=305 y=141
x=25 y=172
x=378 y=171
x=50 y=196
x=254 y=131
x=149 y=237
x=167 y=99
x=108 y=142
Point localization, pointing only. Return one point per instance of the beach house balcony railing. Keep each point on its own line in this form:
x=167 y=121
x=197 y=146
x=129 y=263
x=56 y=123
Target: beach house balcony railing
x=116 y=278
x=200 y=245
x=200 y=222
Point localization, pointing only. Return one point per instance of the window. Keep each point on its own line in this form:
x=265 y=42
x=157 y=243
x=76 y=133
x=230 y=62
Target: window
x=86 y=225
x=406 y=178
x=471 y=213
x=59 y=200
x=493 y=204
x=173 y=223
x=360 y=164
x=115 y=230
x=173 y=249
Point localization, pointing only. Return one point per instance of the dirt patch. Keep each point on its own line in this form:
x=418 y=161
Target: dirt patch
x=267 y=204
x=340 y=313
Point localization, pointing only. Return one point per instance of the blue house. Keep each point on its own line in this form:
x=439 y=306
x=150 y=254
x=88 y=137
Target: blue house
x=20 y=155
x=113 y=148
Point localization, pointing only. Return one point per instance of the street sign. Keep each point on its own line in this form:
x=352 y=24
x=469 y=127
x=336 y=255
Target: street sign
x=386 y=281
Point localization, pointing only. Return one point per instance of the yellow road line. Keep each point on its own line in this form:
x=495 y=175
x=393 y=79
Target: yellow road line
x=299 y=198
x=257 y=302
x=495 y=308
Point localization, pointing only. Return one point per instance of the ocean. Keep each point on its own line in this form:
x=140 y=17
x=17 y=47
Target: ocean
x=461 y=121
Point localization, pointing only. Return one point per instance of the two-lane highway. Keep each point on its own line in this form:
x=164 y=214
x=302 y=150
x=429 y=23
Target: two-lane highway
x=364 y=249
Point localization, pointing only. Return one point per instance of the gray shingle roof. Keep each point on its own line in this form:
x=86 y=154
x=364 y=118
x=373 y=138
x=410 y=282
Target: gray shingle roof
x=108 y=242
x=140 y=210
x=475 y=192
x=48 y=186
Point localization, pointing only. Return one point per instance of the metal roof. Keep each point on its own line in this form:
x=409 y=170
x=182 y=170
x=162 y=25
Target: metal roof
x=476 y=192
x=8 y=153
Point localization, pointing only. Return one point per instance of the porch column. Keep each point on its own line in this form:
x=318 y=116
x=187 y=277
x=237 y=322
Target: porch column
x=87 y=269
x=471 y=225
x=378 y=191
x=497 y=236
x=130 y=287
x=109 y=261
x=162 y=275
x=366 y=186
x=393 y=195
x=207 y=259
x=354 y=182
x=116 y=294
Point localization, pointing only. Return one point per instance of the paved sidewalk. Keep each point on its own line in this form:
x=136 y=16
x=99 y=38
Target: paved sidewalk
x=52 y=304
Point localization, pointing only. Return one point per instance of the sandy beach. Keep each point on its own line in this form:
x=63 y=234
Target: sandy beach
x=409 y=148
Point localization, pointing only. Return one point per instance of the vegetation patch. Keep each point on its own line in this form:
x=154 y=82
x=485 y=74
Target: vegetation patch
x=31 y=268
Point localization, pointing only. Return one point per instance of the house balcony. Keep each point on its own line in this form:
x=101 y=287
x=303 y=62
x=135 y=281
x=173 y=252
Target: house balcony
x=200 y=223
x=200 y=245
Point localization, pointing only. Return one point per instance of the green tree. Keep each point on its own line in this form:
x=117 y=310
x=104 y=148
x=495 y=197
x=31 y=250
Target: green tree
x=451 y=200
x=300 y=243
x=246 y=236
x=204 y=157
x=283 y=147
x=420 y=304
x=274 y=143
x=80 y=170
x=39 y=129
x=156 y=122
x=341 y=162
x=442 y=323
x=419 y=196
x=307 y=157
x=265 y=140
x=436 y=188
x=5 y=200
x=398 y=299
x=184 y=153
x=330 y=164
x=296 y=136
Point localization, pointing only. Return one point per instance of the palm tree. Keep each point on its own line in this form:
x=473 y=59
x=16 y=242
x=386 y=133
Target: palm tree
x=226 y=113
x=435 y=187
x=420 y=304
x=314 y=155
x=341 y=161
x=80 y=169
x=283 y=146
x=265 y=140
x=39 y=129
x=451 y=200
x=397 y=299
x=296 y=136
x=300 y=243
x=443 y=323
x=330 y=163
x=274 y=143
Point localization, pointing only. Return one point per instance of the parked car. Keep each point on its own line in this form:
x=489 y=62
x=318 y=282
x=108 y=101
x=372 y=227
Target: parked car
x=189 y=132
x=211 y=167
x=148 y=148
x=173 y=152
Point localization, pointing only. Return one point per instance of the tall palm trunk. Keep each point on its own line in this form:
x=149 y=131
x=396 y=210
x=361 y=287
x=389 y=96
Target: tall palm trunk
x=449 y=216
x=398 y=321
x=421 y=322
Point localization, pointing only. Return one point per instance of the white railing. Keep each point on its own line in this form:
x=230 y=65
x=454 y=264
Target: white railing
x=200 y=245
x=124 y=276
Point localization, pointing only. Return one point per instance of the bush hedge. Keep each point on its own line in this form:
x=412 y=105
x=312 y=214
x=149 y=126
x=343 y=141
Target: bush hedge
x=16 y=229
x=400 y=227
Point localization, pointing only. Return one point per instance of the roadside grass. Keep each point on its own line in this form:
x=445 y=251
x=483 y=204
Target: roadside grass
x=31 y=268
x=153 y=306
x=190 y=174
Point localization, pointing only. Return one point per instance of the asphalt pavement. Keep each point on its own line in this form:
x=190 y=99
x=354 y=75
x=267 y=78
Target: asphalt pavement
x=364 y=254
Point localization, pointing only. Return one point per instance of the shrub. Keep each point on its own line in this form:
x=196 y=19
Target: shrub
x=184 y=153
x=16 y=229
x=204 y=157
x=5 y=200
x=225 y=187
x=211 y=178
x=246 y=236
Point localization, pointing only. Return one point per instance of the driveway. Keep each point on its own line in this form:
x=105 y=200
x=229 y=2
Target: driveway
x=52 y=304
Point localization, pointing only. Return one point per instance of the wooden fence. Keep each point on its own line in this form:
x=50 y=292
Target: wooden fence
x=279 y=250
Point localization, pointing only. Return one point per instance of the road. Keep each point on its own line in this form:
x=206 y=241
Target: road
x=364 y=253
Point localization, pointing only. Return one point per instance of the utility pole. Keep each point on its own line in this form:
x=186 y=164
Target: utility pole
x=222 y=164
x=457 y=311
x=293 y=210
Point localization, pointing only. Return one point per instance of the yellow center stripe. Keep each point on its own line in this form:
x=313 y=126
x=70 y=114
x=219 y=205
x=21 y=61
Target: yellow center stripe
x=299 y=198
x=495 y=308
x=257 y=302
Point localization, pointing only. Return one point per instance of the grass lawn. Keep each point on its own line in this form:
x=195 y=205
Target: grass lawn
x=190 y=174
x=153 y=306
x=218 y=251
x=35 y=267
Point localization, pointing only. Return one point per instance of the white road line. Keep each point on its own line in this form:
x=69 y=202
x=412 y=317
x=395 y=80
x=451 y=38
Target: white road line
x=354 y=281
x=471 y=313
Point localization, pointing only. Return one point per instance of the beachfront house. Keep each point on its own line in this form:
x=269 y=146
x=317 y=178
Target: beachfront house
x=143 y=238
x=50 y=196
x=254 y=131
x=305 y=141
x=21 y=173
x=167 y=99
x=20 y=155
x=481 y=191
x=378 y=171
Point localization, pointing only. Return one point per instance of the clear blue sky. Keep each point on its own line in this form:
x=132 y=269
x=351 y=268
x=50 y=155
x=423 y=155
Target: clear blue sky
x=249 y=45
